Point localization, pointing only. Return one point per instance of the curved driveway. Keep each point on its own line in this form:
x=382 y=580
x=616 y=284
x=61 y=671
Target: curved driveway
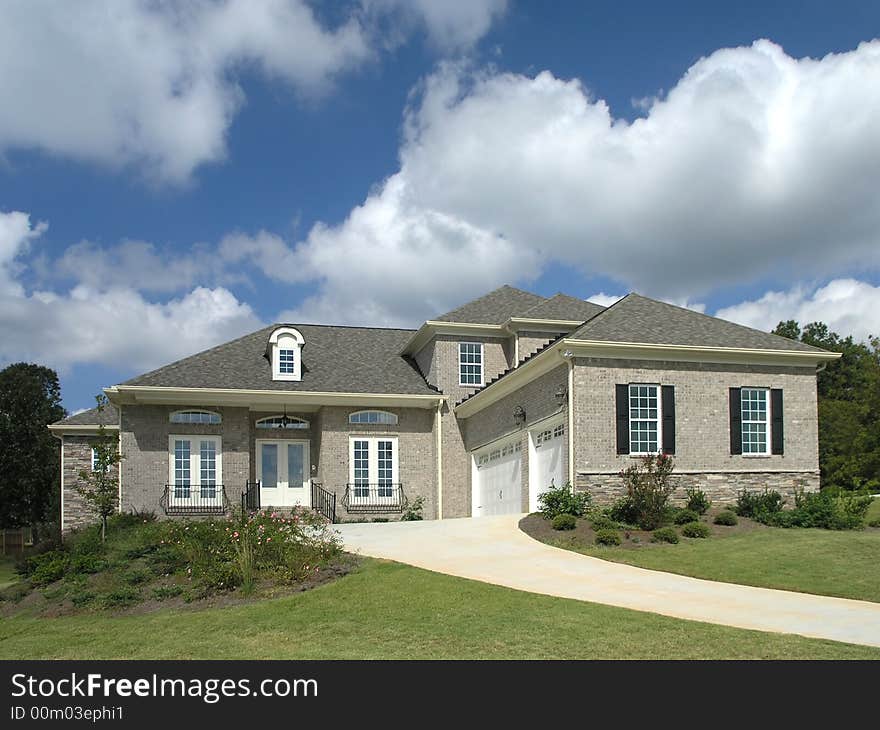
x=495 y=550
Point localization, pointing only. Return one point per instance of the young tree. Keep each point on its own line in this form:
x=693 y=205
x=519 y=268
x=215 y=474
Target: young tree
x=30 y=399
x=99 y=486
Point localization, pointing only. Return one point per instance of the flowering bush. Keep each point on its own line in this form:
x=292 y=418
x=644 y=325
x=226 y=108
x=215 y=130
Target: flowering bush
x=222 y=554
x=647 y=491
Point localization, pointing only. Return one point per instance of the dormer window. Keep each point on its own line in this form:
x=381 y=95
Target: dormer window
x=285 y=353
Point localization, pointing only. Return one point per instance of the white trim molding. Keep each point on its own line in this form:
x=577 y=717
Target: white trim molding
x=289 y=342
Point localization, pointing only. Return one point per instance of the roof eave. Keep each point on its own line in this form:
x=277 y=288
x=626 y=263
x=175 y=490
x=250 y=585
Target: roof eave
x=434 y=327
x=696 y=353
x=159 y=395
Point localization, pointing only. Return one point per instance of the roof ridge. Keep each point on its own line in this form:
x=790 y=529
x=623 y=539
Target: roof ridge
x=488 y=294
x=338 y=326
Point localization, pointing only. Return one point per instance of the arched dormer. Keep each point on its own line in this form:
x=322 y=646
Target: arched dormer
x=285 y=353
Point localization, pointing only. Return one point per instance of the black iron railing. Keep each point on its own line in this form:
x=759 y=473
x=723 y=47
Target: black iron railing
x=250 y=497
x=182 y=499
x=323 y=502
x=374 y=497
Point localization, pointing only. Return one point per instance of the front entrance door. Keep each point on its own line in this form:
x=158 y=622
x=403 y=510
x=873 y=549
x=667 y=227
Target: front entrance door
x=283 y=472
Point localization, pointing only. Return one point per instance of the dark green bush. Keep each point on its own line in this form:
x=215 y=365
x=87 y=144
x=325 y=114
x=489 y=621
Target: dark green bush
x=608 y=537
x=137 y=577
x=82 y=598
x=121 y=597
x=563 y=501
x=665 y=534
x=683 y=516
x=48 y=567
x=624 y=511
x=160 y=593
x=695 y=529
x=727 y=518
x=603 y=522
x=760 y=506
x=697 y=500
x=648 y=489
x=564 y=522
x=413 y=511
x=86 y=563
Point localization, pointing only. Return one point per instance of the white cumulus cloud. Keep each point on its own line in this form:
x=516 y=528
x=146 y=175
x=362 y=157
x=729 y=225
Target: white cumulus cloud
x=847 y=306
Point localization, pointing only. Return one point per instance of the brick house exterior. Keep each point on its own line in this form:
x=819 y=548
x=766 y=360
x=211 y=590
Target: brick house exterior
x=474 y=413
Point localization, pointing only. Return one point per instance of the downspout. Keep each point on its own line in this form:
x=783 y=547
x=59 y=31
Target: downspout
x=119 y=465
x=61 y=437
x=438 y=428
x=570 y=425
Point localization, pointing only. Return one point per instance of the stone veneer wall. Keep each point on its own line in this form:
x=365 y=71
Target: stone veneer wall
x=416 y=453
x=145 y=458
x=438 y=362
x=77 y=455
x=702 y=455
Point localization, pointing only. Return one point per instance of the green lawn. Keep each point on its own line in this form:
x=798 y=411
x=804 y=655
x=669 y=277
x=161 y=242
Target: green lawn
x=7 y=572
x=831 y=563
x=391 y=611
x=874 y=510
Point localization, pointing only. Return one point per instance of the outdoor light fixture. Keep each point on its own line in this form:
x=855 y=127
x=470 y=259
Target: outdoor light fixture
x=561 y=394
x=285 y=421
x=519 y=416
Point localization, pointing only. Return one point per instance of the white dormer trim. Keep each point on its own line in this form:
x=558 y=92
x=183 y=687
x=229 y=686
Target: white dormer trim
x=286 y=340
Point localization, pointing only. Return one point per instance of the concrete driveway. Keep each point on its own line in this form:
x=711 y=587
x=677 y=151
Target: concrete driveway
x=494 y=550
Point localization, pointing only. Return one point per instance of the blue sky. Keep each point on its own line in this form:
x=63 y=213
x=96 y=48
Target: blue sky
x=312 y=173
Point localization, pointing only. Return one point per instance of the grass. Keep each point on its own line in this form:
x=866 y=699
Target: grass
x=873 y=510
x=826 y=562
x=391 y=611
x=7 y=572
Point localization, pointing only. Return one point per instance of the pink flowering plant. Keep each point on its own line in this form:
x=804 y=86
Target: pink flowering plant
x=282 y=547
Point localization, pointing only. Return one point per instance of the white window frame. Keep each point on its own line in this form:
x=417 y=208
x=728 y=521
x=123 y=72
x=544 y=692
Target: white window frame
x=94 y=459
x=384 y=418
x=195 y=470
x=482 y=363
x=659 y=419
x=766 y=422
x=294 y=424
x=373 y=470
x=195 y=411
x=286 y=338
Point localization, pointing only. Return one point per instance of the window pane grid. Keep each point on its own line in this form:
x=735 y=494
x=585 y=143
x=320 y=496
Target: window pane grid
x=361 y=469
x=470 y=363
x=384 y=468
x=754 y=420
x=199 y=417
x=208 y=469
x=643 y=419
x=286 y=362
x=181 y=469
x=382 y=417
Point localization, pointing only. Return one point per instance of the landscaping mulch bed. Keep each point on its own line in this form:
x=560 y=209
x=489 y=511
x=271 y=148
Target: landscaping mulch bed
x=583 y=536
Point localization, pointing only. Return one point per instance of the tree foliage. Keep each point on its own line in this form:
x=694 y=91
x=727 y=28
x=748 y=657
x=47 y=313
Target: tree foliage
x=99 y=484
x=849 y=406
x=30 y=399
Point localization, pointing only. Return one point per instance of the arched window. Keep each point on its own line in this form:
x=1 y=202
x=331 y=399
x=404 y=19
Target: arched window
x=282 y=422
x=205 y=418
x=285 y=352
x=383 y=417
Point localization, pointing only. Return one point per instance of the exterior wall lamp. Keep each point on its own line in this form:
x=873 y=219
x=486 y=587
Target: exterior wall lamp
x=561 y=395
x=519 y=416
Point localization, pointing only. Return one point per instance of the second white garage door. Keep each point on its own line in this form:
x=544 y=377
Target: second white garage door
x=546 y=460
x=497 y=479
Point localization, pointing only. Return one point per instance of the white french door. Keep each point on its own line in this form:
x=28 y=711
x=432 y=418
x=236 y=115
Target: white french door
x=195 y=470
x=373 y=470
x=283 y=471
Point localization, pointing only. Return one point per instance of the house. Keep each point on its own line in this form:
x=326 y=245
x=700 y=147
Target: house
x=476 y=412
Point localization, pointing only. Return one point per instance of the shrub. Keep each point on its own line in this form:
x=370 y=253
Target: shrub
x=136 y=577
x=48 y=567
x=683 y=516
x=82 y=598
x=603 y=522
x=760 y=506
x=874 y=522
x=665 y=534
x=413 y=511
x=563 y=501
x=828 y=509
x=564 y=522
x=648 y=489
x=87 y=563
x=727 y=518
x=608 y=537
x=121 y=597
x=697 y=500
x=695 y=529
x=160 y=593
x=624 y=511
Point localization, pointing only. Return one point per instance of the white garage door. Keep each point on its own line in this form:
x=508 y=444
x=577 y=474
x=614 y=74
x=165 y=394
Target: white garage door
x=497 y=479
x=546 y=462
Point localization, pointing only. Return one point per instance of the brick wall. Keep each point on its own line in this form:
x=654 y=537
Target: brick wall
x=702 y=426
x=530 y=342
x=77 y=456
x=145 y=458
x=417 y=456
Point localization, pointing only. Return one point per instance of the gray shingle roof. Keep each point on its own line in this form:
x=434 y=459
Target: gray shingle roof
x=639 y=319
x=496 y=307
x=562 y=306
x=334 y=359
x=92 y=417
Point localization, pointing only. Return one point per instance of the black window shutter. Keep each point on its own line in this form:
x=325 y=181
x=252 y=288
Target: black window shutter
x=776 y=426
x=668 y=419
x=736 y=434
x=622 y=419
